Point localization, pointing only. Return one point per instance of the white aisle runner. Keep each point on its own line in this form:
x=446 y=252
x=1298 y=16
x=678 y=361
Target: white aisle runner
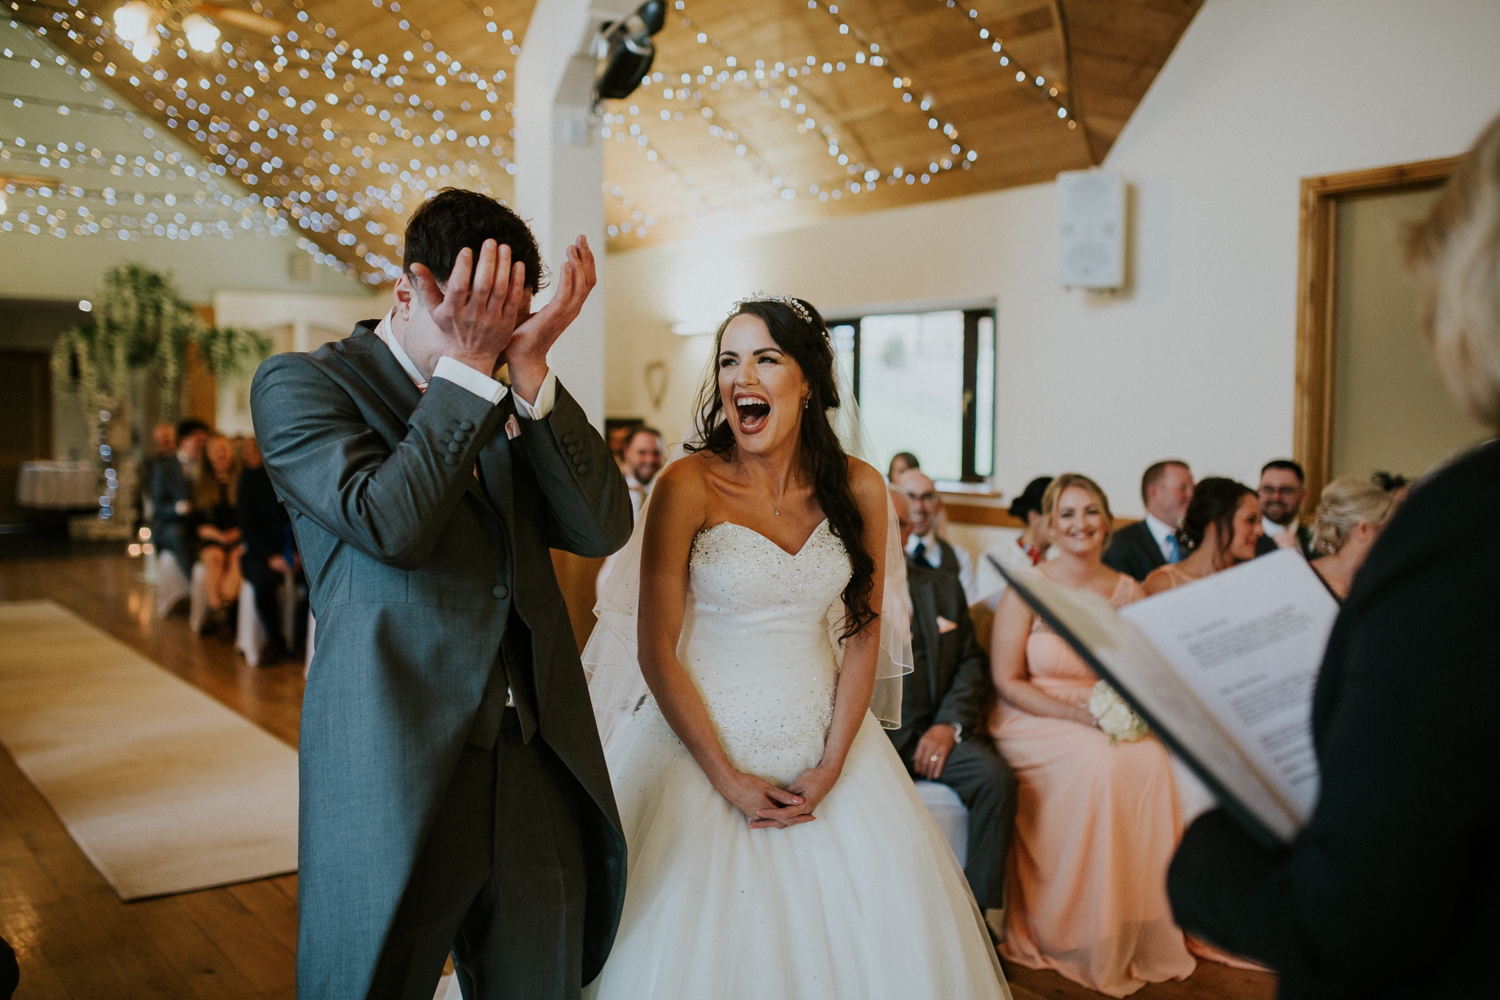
x=164 y=788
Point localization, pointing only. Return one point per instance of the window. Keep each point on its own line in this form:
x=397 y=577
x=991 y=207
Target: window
x=925 y=384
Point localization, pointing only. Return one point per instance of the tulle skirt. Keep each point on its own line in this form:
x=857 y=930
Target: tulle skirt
x=867 y=901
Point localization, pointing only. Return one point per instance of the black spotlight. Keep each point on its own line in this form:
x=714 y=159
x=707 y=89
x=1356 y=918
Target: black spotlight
x=629 y=51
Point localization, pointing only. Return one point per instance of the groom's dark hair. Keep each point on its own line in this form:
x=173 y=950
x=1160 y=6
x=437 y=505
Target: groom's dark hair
x=455 y=218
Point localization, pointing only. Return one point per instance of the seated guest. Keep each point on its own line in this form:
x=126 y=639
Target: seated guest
x=642 y=459
x=1096 y=822
x=901 y=463
x=1027 y=549
x=1281 y=495
x=1392 y=889
x=1220 y=529
x=172 y=479
x=617 y=436
x=1139 y=548
x=268 y=549
x=1350 y=517
x=925 y=544
x=943 y=705
x=216 y=525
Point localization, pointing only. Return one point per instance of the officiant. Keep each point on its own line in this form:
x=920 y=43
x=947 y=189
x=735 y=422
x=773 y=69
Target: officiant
x=1398 y=860
x=944 y=701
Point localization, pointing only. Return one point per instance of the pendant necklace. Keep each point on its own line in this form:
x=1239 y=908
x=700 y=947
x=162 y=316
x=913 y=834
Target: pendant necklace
x=776 y=504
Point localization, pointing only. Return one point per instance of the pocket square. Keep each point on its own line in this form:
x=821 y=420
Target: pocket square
x=944 y=625
x=512 y=428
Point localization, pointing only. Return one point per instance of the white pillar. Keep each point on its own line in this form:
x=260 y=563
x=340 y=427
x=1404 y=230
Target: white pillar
x=560 y=172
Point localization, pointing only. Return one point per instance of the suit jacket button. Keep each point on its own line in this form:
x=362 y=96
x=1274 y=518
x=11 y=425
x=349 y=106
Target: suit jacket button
x=569 y=438
x=455 y=448
x=501 y=592
x=583 y=469
x=466 y=425
x=449 y=459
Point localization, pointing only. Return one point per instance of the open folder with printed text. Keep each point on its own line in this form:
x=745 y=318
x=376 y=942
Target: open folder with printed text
x=1222 y=669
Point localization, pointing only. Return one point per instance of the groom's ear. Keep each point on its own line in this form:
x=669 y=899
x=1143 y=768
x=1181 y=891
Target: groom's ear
x=406 y=297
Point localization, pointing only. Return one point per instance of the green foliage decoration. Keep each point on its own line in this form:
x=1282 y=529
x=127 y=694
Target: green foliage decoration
x=141 y=323
x=230 y=350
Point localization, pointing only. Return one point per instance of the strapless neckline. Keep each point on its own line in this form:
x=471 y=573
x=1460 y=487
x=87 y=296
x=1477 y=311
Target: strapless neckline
x=732 y=524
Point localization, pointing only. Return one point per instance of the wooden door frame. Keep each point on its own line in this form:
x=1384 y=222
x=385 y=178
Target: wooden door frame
x=1312 y=428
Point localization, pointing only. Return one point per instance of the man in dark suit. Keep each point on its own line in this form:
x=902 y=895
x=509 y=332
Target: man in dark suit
x=926 y=545
x=943 y=704
x=1281 y=493
x=1139 y=548
x=1400 y=855
x=269 y=556
x=454 y=793
x=172 y=478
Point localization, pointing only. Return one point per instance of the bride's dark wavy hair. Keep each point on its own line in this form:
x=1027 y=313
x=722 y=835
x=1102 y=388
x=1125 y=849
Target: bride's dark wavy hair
x=824 y=461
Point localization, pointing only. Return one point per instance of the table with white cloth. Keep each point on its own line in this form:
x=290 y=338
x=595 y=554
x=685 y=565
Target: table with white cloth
x=58 y=485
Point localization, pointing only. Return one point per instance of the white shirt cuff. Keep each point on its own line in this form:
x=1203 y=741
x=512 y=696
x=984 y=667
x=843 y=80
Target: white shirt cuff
x=546 y=397
x=465 y=377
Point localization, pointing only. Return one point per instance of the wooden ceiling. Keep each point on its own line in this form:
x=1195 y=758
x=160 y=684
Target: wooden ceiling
x=342 y=114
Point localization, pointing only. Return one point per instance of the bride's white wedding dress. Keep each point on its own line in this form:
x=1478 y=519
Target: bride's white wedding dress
x=867 y=901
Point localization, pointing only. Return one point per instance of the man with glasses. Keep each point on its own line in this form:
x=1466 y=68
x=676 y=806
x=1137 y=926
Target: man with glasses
x=1281 y=493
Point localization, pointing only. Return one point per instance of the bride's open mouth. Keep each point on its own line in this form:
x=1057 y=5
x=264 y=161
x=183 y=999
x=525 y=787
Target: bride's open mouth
x=753 y=412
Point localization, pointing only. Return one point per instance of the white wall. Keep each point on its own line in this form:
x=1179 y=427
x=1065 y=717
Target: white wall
x=1196 y=359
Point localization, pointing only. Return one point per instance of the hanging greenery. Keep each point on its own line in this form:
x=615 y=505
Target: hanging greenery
x=141 y=323
x=229 y=350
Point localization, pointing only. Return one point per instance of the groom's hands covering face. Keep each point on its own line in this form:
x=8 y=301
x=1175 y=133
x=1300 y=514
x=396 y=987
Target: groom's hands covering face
x=475 y=312
x=526 y=353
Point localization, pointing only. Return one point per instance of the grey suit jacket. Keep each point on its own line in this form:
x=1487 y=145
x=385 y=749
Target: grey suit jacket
x=414 y=569
x=950 y=679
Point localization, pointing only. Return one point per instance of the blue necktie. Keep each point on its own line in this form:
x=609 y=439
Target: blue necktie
x=1174 y=551
x=920 y=553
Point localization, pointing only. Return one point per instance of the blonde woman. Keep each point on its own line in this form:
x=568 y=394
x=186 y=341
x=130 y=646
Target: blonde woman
x=1351 y=514
x=1096 y=823
x=1392 y=888
x=216 y=522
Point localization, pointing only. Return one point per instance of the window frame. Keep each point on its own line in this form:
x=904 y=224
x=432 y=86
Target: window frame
x=969 y=429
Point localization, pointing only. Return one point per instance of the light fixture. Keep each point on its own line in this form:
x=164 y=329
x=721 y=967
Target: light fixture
x=201 y=33
x=84 y=305
x=3 y=205
x=133 y=21
x=138 y=24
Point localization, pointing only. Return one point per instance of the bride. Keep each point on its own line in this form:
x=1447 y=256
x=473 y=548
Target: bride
x=777 y=846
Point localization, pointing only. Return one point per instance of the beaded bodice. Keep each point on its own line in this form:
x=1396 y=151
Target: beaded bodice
x=756 y=641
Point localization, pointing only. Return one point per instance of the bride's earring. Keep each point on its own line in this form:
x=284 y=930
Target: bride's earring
x=805 y=401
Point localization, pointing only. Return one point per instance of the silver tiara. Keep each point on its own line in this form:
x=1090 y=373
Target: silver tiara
x=791 y=303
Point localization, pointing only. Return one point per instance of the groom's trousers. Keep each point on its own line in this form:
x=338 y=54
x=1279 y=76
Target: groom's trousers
x=500 y=882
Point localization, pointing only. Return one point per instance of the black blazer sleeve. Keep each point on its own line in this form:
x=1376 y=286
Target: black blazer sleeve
x=1402 y=854
x=1134 y=552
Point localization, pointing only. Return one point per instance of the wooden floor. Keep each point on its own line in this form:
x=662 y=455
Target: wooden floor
x=76 y=940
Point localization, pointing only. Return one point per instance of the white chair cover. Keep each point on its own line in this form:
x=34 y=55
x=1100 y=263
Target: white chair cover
x=172 y=584
x=949 y=813
x=249 y=634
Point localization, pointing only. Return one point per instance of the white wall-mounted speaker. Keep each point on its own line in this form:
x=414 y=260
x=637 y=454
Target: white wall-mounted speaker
x=1091 y=229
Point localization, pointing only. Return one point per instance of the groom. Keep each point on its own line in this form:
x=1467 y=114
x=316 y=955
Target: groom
x=454 y=795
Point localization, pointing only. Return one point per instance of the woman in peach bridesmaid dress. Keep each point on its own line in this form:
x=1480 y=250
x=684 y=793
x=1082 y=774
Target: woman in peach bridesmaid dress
x=1097 y=823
